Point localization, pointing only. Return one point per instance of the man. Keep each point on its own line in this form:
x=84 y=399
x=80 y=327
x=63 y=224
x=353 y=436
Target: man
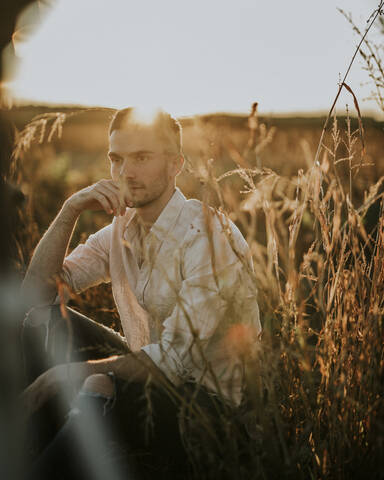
x=180 y=273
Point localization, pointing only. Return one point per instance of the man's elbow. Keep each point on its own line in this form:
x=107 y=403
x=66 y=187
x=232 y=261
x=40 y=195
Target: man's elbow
x=37 y=291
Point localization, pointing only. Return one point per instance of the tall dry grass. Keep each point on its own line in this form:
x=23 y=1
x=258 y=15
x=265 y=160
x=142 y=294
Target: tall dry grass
x=315 y=401
x=315 y=405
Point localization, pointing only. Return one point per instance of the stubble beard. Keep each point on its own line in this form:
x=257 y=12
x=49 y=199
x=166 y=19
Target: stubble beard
x=150 y=197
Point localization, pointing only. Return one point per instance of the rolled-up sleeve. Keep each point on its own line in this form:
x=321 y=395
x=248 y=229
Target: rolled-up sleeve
x=214 y=279
x=88 y=264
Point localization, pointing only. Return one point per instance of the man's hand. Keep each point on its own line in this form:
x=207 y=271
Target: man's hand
x=47 y=262
x=67 y=379
x=103 y=195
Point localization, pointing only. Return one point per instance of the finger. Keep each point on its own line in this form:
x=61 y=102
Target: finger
x=116 y=186
x=104 y=202
x=111 y=183
x=114 y=197
x=113 y=186
x=110 y=196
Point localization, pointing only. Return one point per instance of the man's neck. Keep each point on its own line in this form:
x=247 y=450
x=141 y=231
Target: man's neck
x=150 y=213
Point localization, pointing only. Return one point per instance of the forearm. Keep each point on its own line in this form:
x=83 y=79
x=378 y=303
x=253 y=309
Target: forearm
x=131 y=367
x=135 y=367
x=47 y=260
x=68 y=378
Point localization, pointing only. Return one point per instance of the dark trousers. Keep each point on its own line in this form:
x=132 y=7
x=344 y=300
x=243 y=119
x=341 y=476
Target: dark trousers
x=141 y=431
x=65 y=338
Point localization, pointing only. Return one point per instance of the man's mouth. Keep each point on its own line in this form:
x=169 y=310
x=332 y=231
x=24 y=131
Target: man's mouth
x=130 y=192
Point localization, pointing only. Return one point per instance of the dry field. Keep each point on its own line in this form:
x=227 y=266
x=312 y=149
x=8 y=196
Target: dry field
x=316 y=231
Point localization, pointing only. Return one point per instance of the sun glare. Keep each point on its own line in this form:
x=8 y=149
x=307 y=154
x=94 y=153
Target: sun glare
x=178 y=54
x=145 y=113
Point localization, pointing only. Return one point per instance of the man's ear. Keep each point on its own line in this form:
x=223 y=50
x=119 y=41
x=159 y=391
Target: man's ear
x=178 y=163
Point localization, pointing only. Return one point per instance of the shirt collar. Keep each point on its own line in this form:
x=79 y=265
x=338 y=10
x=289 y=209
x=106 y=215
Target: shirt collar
x=165 y=220
x=168 y=216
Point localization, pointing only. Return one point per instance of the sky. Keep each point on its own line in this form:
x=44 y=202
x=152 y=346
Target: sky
x=190 y=56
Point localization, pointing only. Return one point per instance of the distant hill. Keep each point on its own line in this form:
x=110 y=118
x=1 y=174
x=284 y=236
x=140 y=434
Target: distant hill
x=24 y=114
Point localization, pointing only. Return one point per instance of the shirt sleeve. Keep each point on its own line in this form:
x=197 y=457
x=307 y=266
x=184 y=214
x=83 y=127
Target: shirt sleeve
x=88 y=264
x=216 y=281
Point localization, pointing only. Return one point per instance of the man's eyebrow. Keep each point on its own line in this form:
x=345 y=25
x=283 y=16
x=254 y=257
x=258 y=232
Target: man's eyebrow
x=140 y=152
x=131 y=154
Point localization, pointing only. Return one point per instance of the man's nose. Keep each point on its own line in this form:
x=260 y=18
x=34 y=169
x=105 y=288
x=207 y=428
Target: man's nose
x=127 y=169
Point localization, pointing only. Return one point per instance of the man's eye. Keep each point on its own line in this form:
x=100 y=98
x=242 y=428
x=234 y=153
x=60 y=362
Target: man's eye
x=141 y=158
x=115 y=159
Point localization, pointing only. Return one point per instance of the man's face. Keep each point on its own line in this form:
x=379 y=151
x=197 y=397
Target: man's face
x=141 y=166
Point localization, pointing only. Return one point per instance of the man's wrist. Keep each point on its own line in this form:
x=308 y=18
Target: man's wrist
x=70 y=211
x=132 y=366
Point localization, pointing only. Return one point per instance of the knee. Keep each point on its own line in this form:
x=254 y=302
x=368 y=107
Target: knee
x=38 y=316
x=99 y=383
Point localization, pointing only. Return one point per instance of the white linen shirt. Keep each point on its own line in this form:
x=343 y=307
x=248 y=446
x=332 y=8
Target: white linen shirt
x=194 y=281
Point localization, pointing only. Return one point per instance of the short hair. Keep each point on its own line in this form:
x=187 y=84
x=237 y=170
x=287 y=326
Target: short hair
x=167 y=127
